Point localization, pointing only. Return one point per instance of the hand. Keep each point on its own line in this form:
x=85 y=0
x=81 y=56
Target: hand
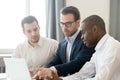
x=41 y=73
x=54 y=77
x=33 y=71
x=46 y=74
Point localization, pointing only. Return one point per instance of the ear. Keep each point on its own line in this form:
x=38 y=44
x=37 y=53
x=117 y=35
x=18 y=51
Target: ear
x=78 y=22
x=95 y=29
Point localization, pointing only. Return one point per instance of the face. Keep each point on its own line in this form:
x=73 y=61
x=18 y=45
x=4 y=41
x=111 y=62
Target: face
x=88 y=35
x=32 y=32
x=68 y=24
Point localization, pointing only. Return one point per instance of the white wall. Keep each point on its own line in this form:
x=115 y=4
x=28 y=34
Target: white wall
x=91 y=7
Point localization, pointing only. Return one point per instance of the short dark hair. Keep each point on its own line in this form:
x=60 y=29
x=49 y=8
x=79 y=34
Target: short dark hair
x=28 y=19
x=95 y=20
x=71 y=10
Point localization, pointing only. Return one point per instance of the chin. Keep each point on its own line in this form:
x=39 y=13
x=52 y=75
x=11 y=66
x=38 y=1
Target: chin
x=67 y=35
x=35 y=41
x=90 y=46
x=87 y=45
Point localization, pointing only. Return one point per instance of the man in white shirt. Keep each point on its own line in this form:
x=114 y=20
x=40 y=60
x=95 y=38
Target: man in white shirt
x=105 y=62
x=36 y=50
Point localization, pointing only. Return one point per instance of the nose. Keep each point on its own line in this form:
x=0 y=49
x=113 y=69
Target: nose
x=33 y=33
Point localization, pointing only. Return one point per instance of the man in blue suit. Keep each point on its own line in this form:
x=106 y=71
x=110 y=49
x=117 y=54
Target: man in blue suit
x=72 y=52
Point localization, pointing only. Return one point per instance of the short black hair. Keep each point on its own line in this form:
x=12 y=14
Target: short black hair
x=95 y=20
x=28 y=19
x=71 y=10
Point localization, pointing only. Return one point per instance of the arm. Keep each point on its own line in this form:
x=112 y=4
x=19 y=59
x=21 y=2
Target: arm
x=56 y=59
x=54 y=47
x=76 y=64
x=88 y=70
x=81 y=55
x=60 y=51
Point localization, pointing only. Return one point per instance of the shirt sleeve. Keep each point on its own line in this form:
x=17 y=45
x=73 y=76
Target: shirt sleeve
x=88 y=70
x=54 y=47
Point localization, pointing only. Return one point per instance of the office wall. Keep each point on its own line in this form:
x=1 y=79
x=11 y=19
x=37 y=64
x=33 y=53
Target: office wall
x=90 y=7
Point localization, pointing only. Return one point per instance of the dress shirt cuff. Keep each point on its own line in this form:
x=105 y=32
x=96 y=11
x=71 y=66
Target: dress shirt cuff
x=53 y=68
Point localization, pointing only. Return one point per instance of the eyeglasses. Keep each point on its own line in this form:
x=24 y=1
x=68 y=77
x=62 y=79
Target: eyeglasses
x=67 y=24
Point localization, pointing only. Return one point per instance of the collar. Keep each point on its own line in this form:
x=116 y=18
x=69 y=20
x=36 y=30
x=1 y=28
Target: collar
x=102 y=41
x=38 y=44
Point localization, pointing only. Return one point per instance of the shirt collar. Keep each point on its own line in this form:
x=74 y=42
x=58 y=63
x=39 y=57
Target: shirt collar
x=101 y=42
x=73 y=37
x=38 y=44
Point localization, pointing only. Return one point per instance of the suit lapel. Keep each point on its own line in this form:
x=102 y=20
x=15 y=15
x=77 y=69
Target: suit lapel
x=64 y=52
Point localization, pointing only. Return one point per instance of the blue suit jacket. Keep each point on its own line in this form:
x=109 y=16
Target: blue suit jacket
x=79 y=55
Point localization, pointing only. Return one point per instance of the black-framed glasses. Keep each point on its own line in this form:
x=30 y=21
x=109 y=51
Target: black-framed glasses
x=67 y=24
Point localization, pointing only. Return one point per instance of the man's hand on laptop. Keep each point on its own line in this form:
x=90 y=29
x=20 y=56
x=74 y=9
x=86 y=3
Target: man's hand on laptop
x=44 y=74
x=33 y=71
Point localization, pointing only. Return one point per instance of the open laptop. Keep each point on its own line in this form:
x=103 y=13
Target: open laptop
x=16 y=69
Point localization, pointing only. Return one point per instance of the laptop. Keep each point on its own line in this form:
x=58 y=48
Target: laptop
x=16 y=69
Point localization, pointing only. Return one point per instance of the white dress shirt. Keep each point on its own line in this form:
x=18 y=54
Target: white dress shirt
x=104 y=64
x=70 y=41
x=38 y=56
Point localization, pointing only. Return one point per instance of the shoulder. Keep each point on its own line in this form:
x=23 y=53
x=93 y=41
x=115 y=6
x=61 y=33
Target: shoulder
x=22 y=44
x=21 y=47
x=113 y=43
x=48 y=40
x=62 y=42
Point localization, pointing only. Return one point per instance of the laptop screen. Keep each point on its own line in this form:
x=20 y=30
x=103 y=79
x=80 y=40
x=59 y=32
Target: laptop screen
x=16 y=69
